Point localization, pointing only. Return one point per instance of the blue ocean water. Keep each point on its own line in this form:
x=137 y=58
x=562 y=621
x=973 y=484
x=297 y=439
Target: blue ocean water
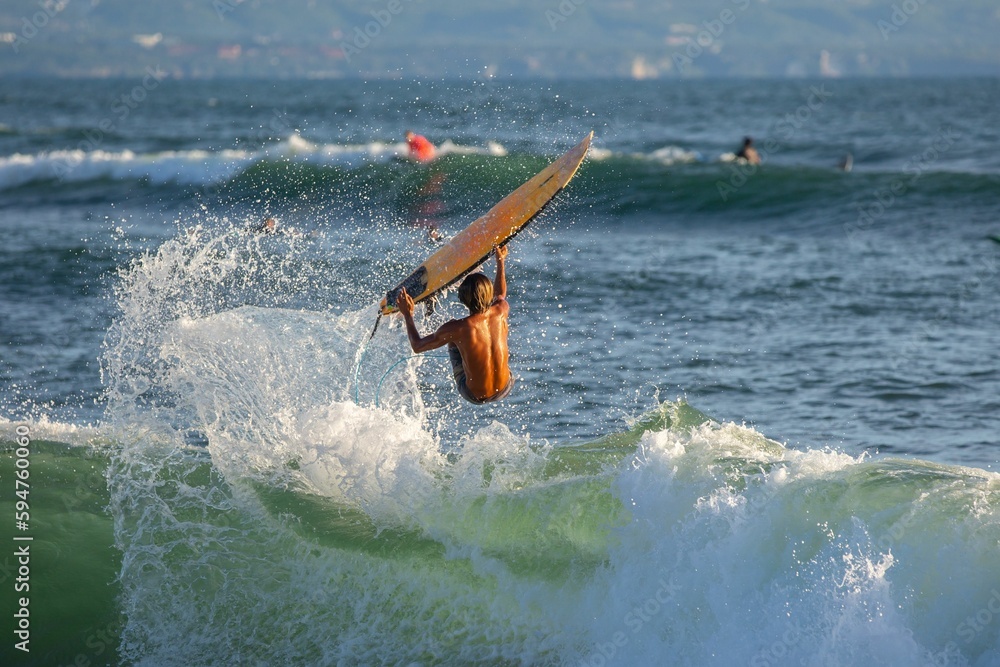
x=756 y=414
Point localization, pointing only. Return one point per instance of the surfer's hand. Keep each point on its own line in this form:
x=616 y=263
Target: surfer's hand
x=404 y=303
x=501 y=252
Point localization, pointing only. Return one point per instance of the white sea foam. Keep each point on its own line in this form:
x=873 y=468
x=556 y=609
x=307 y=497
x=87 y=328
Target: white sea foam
x=675 y=155
x=339 y=531
x=44 y=428
x=194 y=166
x=666 y=155
x=202 y=167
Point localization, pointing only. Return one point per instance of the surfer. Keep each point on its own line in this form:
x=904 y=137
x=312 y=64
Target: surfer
x=477 y=344
x=266 y=226
x=748 y=152
x=421 y=150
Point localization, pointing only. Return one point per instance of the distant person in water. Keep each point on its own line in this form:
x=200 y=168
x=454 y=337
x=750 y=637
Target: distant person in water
x=477 y=344
x=421 y=150
x=266 y=226
x=748 y=152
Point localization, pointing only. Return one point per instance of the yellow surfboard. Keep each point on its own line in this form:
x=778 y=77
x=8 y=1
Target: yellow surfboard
x=468 y=249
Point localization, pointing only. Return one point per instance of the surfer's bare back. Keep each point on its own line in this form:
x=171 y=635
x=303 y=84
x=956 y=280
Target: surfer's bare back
x=477 y=344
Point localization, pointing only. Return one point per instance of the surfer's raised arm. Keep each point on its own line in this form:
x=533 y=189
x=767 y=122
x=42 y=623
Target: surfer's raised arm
x=500 y=282
x=417 y=342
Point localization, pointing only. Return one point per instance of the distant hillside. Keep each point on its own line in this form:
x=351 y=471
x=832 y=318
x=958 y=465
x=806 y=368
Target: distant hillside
x=406 y=38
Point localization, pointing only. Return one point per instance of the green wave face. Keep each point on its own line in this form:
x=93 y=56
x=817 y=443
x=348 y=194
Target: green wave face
x=70 y=580
x=508 y=553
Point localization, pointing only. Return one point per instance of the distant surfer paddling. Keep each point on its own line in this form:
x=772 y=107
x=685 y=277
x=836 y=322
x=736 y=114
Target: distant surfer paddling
x=266 y=226
x=748 y=152
x=477 y=344
x=421 y=149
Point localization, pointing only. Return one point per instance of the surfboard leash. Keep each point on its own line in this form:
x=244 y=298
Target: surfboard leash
x=364 y=353
x=378 y=390
x=375 y=328
x=357 y=369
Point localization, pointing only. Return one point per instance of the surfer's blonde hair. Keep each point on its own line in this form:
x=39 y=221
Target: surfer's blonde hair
x=476 y=292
